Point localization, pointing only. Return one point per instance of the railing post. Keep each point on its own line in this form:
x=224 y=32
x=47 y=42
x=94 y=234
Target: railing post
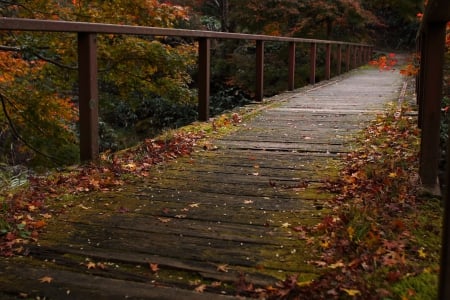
x=259 y=93
x=364 y=55
x=339 y=59
x=368 y=54
x=347 y=57
x=88 y=96
x=312 y=63
x=291 y=67
x=434 y=46
x=204 y=62
x=327 y=61
x=355 y=57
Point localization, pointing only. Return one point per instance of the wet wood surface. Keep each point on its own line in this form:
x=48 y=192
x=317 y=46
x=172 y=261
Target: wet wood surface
x=222 y=213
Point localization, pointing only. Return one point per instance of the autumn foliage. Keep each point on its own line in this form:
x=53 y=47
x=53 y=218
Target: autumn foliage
x=39 y=75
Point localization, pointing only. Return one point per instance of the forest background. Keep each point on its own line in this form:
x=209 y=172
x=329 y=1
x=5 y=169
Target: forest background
x=149 y=84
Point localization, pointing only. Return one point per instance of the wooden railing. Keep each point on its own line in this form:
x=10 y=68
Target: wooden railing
x=429 y=82
x=354 y=56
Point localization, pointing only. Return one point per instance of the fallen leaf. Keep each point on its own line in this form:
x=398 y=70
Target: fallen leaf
x=46 y=279
x=154 y=267
x=82 y=206
x=46 y=216
x=201 y=288
x=39 y=224
x=222 y=268
x=164 y=220
x=320 y=263
x=351 y=232
x=325 y=244
x=248 y=201
x=422 y=253
x=194 y=205
x=392 y=175
x=91 y=265
x=351 y=292
x=216 y=284
x=101 y=266
x=31 y=208
x=285 y=225
x=336 y=265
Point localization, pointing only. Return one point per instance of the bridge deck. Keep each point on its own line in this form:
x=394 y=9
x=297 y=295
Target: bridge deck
x=205 y=219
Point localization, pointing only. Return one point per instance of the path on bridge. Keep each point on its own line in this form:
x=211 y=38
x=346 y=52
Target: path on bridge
x=207 y=218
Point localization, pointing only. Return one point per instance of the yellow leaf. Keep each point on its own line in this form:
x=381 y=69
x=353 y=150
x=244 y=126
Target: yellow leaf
x=351 y=292
x=392 y=175
x=351 y=232
x=336 y=265
x=285 y=225
x=422 y=253
x=304 y=283
x=325 y=244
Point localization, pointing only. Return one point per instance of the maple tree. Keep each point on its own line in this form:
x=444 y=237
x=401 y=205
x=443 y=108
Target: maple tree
x=132 y=72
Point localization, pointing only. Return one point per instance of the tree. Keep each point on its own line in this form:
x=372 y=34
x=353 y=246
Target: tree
x=399 y=21
x=132 y=70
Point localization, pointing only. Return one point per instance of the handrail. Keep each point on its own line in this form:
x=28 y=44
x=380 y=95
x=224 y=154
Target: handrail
x=355 y=55
x=103 y=28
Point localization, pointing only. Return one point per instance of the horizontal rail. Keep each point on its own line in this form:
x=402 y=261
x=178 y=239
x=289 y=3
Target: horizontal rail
x=75 y=27
x=355 y=55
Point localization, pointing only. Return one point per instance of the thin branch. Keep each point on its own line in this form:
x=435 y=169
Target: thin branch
x=58 y=64
x=10 y=48
x=18 y=136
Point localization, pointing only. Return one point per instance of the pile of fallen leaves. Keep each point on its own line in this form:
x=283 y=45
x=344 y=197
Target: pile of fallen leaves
x=370 y=234
x=25 y=211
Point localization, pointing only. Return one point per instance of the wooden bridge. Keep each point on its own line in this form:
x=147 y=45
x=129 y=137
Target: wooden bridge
x=233 y=211
x=201 y=221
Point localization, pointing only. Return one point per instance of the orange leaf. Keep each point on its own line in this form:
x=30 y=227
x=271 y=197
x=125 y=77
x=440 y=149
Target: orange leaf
x=154 y=267
x=39 y=224
x=46 y=279
x=201 y=288
x=91 y=265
